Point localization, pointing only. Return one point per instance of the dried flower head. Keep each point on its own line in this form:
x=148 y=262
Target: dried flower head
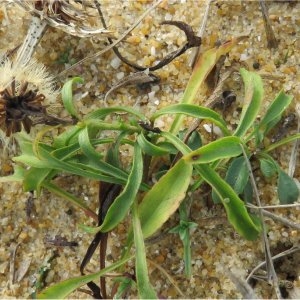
x=67 y=15
x=73 y=17
x=22 y=95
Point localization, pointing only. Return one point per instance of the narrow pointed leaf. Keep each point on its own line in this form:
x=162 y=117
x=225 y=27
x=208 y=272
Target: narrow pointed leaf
x=149 y=148
x=67 y=96
x=203 y=67
x=145 y=289
x=252 y=101
x=283 y=142
x=236 y=211
x=194 y=111
x=120 y=207
x=86 y=146
x=223 y=148
x=275 y=110
x=64 y=288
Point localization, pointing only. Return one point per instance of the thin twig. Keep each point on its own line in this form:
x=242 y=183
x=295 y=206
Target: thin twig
x=272 y=276
x=277 y=218
x=93 y=56
x=277 y=256
x=241 y=285
x=12 y=264
x=170 y=278
x=271 y=39
x=200 y=33
x=274 y=206
x=214 y=97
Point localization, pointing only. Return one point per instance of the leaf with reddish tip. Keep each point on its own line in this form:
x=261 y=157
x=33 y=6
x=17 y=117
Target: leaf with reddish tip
x=203 y=67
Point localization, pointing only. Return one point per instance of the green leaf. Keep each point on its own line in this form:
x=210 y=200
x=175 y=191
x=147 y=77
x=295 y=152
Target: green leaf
x=34 y=179
x=67 y=96
x=252 y=102
x=234 y=206
x=116 y=175
x=274 y=111
x=193 y=111
x=125 y=283
x=223 y=148
x=203 y=67
x=194 y=142
x=31 y=160
x=288 y=191
x=236 y=211
x=237 y=174
x=18 y=175
x=120 y=207
x=164 y=198
x=283 y=142
x=248 y=193
x=145 y=289
x=149 y=148
x=113 y=152
x=67 y=137
x=268 y=167
x=64 y=288
x=86 y=146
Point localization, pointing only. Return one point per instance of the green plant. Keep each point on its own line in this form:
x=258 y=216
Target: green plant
x=75 y=151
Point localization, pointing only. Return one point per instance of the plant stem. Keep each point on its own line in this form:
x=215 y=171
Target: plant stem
x=98 y=124
x=272 y=276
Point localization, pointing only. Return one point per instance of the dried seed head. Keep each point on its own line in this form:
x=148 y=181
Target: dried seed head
x=70 y=16
x=67 y=15
x=22 y=95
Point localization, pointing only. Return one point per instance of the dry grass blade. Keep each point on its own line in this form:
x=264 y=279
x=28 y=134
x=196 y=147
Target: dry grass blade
x=170 y=278
x=279 y=219
x=137 y=78
x=275 y=206
x=271 y=39
x=23 y=269
x=12 y=264
x=214 y=97
x=242 y=286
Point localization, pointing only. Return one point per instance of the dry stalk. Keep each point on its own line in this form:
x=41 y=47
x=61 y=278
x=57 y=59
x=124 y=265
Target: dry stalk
x=272 y=276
